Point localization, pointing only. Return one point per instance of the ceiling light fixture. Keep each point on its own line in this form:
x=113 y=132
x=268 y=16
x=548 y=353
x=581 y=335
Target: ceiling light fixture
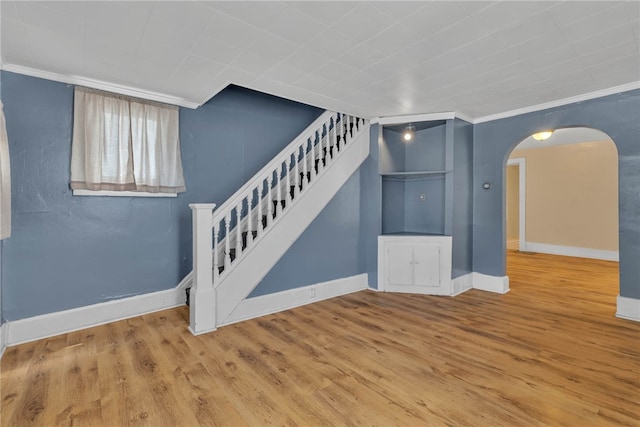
x=408 y=133
x=542 y=136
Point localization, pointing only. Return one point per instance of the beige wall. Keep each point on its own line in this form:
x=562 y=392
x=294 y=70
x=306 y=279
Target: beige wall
x=572 y=195
x=513 y=194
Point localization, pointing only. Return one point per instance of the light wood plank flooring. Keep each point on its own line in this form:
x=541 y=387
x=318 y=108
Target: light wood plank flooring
x=549 y=353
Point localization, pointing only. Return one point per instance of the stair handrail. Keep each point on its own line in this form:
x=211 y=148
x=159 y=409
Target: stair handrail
x=263 y=173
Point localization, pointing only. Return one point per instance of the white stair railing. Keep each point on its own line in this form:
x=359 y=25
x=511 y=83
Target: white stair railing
x=241 y=221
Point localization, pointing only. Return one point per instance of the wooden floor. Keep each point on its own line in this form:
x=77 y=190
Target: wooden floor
x=549 y=353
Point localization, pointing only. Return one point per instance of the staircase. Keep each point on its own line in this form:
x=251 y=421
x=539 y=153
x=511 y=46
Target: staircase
x=236 y=246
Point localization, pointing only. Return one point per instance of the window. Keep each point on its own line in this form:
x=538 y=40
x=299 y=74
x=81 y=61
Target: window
x=124 y=144
x=5 y=180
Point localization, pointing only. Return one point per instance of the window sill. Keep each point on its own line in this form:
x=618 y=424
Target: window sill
x=121 y=193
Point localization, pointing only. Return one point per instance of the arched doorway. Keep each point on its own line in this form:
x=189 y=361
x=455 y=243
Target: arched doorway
x=561 y=199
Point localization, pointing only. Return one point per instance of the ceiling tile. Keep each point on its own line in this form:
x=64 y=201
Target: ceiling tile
x=331 y=43
x=257 y=62
x=295 y=26
x=588 y=26
x=359 y=80
x=325 y=12
x=272 y=46
x=505 y=14
x=334 y=70
x=114 y=25
x=163 y=42
x=73 y=8
x=434 y=17
x=215 y=49
x=197 y=69
x=360 y=56
x=284 y=73
x=312 y=83
x=603 y=40
x=19 y=49
x=306 y=60
x=259 y=14
x=398 y=9
x=363 y=22
x=50 y=20
x=190 y=15
x=9 y=11
x=392 y=40
x=233 y=31
x=568 y=12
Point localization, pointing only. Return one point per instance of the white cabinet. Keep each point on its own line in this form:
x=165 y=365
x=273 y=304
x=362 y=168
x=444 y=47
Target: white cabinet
x=415 y=264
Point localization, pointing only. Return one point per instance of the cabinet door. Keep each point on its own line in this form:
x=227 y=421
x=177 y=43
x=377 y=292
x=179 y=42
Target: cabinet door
x=426 y=266
x=399 y=265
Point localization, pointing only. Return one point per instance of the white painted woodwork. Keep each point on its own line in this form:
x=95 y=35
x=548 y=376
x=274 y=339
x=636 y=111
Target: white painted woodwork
x=202 y=295
x=415 y=264
x=283 y=225
x=276 y=239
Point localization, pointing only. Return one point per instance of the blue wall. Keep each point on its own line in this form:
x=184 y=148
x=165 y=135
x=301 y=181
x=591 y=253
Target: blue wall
x=618 y=116
x=462 y=235
x=67 y=252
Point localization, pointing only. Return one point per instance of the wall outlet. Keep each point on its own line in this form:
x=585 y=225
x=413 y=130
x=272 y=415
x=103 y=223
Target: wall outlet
x=312 y=294
x=422 y=197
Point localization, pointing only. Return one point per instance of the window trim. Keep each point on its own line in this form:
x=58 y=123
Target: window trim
x=107 y=193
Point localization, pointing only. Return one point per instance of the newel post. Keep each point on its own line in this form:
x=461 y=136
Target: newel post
x=202 y=298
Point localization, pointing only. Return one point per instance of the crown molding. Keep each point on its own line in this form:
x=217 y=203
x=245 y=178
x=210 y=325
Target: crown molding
x=396 y=120
x=560 y=102
x=101 y=85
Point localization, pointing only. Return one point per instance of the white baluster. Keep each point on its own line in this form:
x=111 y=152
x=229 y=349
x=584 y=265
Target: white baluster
x=270 y=201
x=290 y=170
x=320 y=163
x=249 y=219
x=336 y=132
x=304 y=164
x=279 y=190
x=216 y=261
x=227 y=239
x=239 y=228
x=259 y=226
x=296 y=158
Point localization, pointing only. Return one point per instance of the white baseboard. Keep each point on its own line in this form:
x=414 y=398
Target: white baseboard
x=462 y=284
x=545 y=248
x=3 y=338
x=47 y=325
x=628 y=308
x=251 y=308
x=484 y=282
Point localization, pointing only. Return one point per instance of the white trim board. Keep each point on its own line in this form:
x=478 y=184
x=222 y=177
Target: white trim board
x=101 y=85
x=47 y=325
x=462 y=284
x=3 y=339
x=522 y=199
x=263 y=305
x=545 y=248
x=628 y=308
x=120 y=193
x=485 y=282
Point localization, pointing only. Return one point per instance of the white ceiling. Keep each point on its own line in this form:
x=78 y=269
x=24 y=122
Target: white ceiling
x=368 y=58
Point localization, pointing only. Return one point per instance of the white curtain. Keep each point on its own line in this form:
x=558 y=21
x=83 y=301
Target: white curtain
x=125 y=144
x=5 y=180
